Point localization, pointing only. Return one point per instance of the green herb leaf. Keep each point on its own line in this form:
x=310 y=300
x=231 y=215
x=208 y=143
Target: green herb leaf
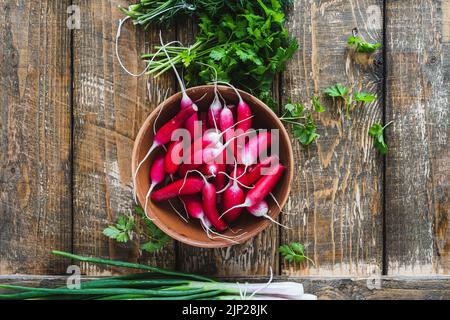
x=294 y=110
x=306 y=133
x=362 y=46
x=337 y=91
x=377 y=133
x=157 y=238
x=318 y=107
x=364 y=97
x=122 y=230
x=294 y=252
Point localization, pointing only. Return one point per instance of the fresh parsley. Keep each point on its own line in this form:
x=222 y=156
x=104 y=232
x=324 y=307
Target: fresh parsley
x=156 y=238
x=125 y=226
x=246 y=45
x=377 y=133
x=122 y=230
x=361 y=46
x=304 y=127
x=294 y=252
x=351 y=101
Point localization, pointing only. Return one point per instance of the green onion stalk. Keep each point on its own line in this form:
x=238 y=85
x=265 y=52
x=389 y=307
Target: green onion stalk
x=159 y=284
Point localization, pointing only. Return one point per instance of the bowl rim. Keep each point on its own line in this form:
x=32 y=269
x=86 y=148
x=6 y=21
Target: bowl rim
x=219 y=243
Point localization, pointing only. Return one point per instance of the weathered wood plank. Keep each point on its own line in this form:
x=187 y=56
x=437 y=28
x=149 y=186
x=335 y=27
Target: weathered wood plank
x=418 y=165
x=337 y=196
x=109 y=108
x=326 y=288
x=252 y=258
x=35 y=203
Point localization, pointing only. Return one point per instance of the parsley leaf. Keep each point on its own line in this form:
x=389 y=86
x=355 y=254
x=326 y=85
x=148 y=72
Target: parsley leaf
x=350 y=101
x=318 y=107
x=294 y=252
x=122 y=230
x=362 y=46
x=306 y=133
x=157 y=238
x=364 y=97
x=337 y=91
x=377 y=132
x=294 y=110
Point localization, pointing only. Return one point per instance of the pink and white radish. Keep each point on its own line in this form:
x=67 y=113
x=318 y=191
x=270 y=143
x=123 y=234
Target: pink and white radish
x=232 y=197
x=262 y=188
x=261 y=210
x=182 y=187
x=257 y=171
x=164 y=135
x=255 y=148
x=174 y=157
x=209 y=197
x=157 y=176
x=194 y=207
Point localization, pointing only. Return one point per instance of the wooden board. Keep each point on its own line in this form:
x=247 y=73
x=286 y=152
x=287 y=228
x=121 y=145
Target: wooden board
x=336 y=204
x=325 y=288
x=35 y=203
x=418 y=165
x=109 y=108
x=255 y=257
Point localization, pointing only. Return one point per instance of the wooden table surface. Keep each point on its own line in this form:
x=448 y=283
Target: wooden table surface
x=69 y=116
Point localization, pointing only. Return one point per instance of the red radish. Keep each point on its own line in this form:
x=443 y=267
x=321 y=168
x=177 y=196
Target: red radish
x=174 y=157
x=212 y=138
x=157 y=176
x=220 y=179
x=261 y=210
x=254 y=174
x=192 y=125
x=194 y=207
x=232 y=197
x=214 y=113
x=262 y=189
x=211 y=154
x=227 y=126
x=255 y=147
x=210 y=207
x=180 y=187
x=244 y=113
x=164 y=135
x=212 y=169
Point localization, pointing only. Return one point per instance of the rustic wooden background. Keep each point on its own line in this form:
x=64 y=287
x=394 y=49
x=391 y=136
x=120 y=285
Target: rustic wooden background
x=69 y=115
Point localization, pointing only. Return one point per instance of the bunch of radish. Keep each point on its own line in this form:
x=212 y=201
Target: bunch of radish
x=226 y=171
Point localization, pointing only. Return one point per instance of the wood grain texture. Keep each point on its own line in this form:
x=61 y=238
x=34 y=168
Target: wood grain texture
x=418 y=165
x=336 y=203
x=35 y=206
x=109 y=108
x=326 y=288
x=255 y=257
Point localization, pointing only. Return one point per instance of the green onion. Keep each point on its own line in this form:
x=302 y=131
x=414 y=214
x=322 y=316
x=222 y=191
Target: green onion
x=130 y=265
x=146 y=287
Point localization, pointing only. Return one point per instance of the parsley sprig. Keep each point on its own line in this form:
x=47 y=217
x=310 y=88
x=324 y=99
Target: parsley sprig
x=351 y=101
x=377 y=133
x=294 y=252
x=246 y=46
x=305 y=129
x=122 y=231
x=362 y=46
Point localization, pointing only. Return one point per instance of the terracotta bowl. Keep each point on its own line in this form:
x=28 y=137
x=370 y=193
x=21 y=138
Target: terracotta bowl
x=164 y=216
